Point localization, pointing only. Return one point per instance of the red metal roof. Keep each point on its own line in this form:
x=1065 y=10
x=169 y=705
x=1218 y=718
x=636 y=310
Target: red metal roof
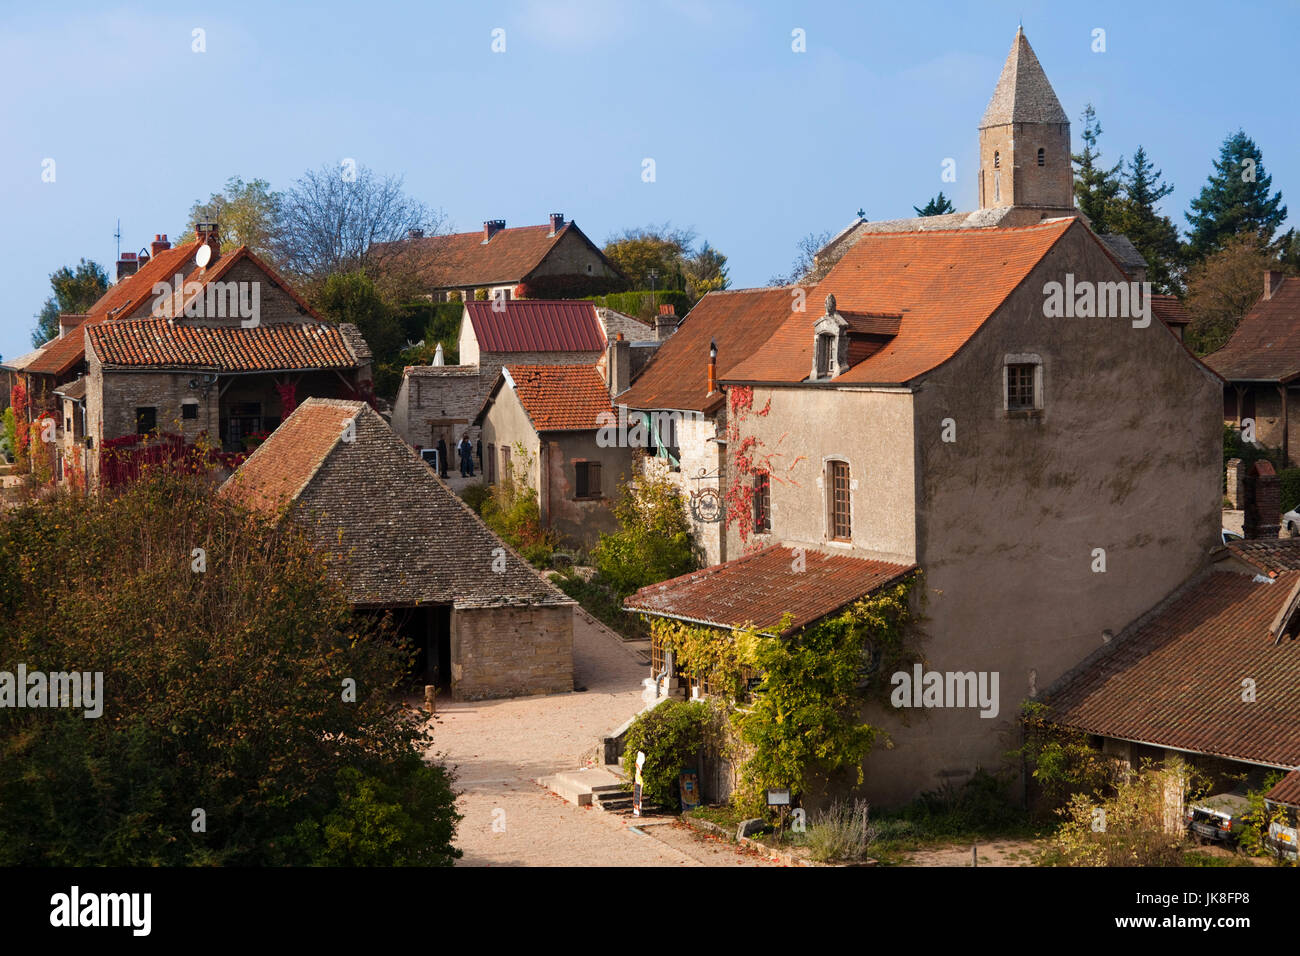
x=1176 y=681
x=536 y=325
x=561 y=397
x=759 y=588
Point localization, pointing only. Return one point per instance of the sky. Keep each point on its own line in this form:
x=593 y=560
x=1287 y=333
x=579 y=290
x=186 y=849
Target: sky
x=755 y=145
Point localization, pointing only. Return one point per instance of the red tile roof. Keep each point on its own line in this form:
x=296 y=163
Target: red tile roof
x=1266 y=344
x=759 y=588
x=166 y=343
x=121 y=300
x=1176 y=680
x=1287 y=789
x=739 y=320
x=275 y=473
x=464 y=260
x=536 y=325
x=1169 y=310
x=1270 y=555
x=561 y=397
x=945 y=285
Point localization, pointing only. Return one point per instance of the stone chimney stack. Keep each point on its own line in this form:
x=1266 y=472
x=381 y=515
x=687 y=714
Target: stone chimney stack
x=618 y=366
x=1263 y=502
x=128 y=264
x=665 y=322
x=159 y=244
x=210 y=233
x=491 y=227
x=1272 y=279
x=557 y=222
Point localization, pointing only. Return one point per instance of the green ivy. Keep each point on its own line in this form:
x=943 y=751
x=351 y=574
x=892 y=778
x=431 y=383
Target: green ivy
x=671 y=736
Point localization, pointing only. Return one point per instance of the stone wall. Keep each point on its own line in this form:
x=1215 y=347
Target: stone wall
x=438 y=401
x=1023 y=181
x=511 y=651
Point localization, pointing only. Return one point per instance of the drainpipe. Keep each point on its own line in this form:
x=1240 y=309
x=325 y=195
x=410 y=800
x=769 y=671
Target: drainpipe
x=713 y=366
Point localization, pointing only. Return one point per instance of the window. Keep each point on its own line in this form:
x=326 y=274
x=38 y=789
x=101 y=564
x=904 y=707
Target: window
x=1042 y=157
x=997 y=160
x=997 y=187
x=840 y=521
x=1020 y=387
x=587 y=484
x=825 y=344
x=506 y=474
x=190 y=411
x=146 y=420
x=492 y=464
x=762 y=503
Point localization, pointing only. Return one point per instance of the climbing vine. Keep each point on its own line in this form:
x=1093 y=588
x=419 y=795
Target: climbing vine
x=803 y=723
x=747 y=460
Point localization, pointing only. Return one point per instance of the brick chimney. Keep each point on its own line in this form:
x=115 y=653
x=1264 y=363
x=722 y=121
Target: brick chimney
x=159 y=243
x=665 y=322
x=128 y=264
x=1262 y=502
x=491 y=227
x=618 y=366
x=210 y=233
x=557 y=222
x=1272 y=279
x=415 y=234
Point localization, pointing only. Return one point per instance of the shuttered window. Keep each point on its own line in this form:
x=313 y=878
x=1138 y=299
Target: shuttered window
x=762 y=503
x=587 y=479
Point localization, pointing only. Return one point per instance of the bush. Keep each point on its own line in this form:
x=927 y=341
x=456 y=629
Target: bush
x=841 y=832
x=643 y=304
x=601 y=603
x=1290 y=482
x=671 y=736
x=653 y=542
x=512 y=511
x=476 y=496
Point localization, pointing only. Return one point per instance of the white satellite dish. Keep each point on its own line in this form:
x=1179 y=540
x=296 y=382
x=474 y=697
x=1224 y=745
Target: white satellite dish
x=203 y=256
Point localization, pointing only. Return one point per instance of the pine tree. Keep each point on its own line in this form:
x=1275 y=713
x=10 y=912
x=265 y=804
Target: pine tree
x=938 y=206
x=1154 y=235
x=1235 y=199
x=1096 y=188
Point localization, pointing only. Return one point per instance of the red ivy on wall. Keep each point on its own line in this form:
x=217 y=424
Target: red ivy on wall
x=747 y=459
x=288 y=399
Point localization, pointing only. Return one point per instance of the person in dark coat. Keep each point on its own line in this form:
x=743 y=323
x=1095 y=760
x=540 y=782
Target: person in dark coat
x=466 y=451
x=442 y=457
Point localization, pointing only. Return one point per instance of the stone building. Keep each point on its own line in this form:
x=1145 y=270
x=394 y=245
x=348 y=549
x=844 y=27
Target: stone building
x=553 y=424
x=551 y=261
x=1261 y=365
x=484 y=623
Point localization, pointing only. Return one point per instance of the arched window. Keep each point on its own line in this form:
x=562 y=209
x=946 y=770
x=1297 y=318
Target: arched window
x=997 y=159
x=1042 y=156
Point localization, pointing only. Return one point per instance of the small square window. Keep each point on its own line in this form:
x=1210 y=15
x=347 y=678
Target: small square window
x=587 y=475
x=1020 y=387
x=190 y=411
x=146 y=420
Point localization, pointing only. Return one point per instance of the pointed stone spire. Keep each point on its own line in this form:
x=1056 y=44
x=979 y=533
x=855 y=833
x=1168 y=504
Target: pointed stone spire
x=1023 y=94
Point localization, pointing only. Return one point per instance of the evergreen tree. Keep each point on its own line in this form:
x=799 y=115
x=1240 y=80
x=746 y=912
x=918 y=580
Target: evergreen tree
x=1234 y=200
x=1096 y=188
x=938 y=206
x=75 y=291
x=1154 y=235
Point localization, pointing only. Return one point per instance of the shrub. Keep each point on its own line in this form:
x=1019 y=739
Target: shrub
x=1290 y=483
x=476 y=496
x=841 y=832
x=643 y=304
x=671 y=736
x=653 y=542
x=512 y=511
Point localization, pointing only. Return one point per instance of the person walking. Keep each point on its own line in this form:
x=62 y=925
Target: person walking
x=466 y=451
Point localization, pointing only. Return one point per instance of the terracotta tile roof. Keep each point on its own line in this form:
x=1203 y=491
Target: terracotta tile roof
x=1270 y=555
x=1023 y=93
x=945 y=285
x=174 y=305
x=739 y=320
x=759 y=588
x=164 y=343
x=1169 y=310
x=1175 y=680
x=393 y=532
x=75 y=390
x=1287 y=789
x=536 y=325
x=464 y=260
x=1266 y=344
x=561 y=397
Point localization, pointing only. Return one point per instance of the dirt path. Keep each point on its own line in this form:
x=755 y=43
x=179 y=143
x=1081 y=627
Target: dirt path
x=997 y=853
x=500 y=748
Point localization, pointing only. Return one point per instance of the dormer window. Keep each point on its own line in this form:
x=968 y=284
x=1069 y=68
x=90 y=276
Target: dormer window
x=830 y=344
x=825 y=349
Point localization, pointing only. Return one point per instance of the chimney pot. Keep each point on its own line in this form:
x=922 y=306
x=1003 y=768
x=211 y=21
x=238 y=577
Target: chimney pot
x=1272 y=279
x=159 y=243
x=557 y=222
x=491 y=227
x=209 y=233
x=415 y=234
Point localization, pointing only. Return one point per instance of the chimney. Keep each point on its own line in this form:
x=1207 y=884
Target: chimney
x=713 y=366
x=618 y=367
x=128 y=264
x=492 y=227
x=1272 y=279
x=159 y=243
x=557 y=222
x=210 y=233
x=415 y=234
x=665 y=322
x=1263 y=502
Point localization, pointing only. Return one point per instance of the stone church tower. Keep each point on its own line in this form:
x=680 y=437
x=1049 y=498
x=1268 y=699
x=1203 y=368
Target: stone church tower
x=1025 y=141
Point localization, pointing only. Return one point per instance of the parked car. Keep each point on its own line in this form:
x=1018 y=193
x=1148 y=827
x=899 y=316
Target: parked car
x=1217 y=819
x=1229 y=536
x=1283 y=836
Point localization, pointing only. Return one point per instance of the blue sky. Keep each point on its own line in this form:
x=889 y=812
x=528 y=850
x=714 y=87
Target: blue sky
x=755 y=145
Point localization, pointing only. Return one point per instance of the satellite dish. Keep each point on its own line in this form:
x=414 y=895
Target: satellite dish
x=203 y=256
